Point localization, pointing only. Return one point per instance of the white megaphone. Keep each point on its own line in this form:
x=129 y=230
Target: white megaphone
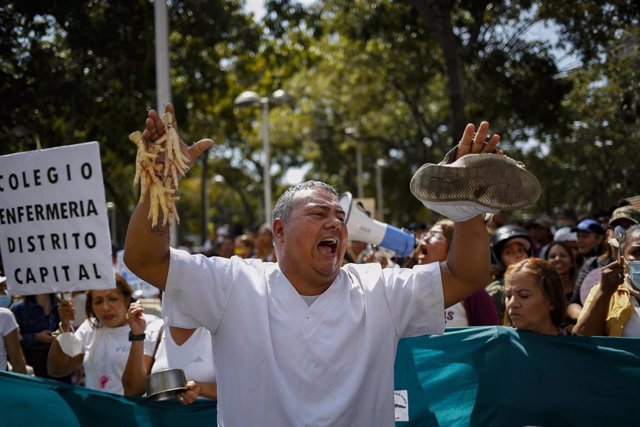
x=363 y=228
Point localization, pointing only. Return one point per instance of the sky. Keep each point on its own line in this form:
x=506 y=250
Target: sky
x=256 y=7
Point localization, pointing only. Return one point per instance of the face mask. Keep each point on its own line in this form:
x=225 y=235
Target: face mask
x=634 y=272
x=5 y=301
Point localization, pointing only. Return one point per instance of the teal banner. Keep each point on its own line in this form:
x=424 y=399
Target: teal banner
x=28 y=401
x=484 y=376
x=496 y=376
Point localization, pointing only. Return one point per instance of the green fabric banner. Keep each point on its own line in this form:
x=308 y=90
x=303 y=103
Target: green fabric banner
x=496 y=376
x=29 y=401
x=485 y=376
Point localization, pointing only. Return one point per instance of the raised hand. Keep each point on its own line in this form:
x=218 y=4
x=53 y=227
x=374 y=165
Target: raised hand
x=162 y=159
x=612 y=276
x=473 y=142
x=66 y=311
x=135 y=318
x=155 y=129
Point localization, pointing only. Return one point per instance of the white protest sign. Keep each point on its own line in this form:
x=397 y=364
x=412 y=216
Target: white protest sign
x=54 y=231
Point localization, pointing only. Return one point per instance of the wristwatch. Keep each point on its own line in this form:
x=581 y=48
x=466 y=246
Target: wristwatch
x=139 y=337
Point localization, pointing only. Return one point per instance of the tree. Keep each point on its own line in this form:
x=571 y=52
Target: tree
x=77 y=70
x=386 y=72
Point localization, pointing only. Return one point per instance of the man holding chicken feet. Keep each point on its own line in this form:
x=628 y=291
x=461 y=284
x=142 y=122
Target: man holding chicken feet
x=305 y=340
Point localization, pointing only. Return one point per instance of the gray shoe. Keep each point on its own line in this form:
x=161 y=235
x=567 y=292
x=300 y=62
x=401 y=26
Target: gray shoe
x=474 y=184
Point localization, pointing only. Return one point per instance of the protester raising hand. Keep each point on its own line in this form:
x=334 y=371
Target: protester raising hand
x=101 y=343
x=611 y=307
x=138 y=364
x=176 y=348
x=147 y=253
x=289 y=333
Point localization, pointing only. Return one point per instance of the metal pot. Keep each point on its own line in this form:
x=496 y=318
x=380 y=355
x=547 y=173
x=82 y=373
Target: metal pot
x=164 y=385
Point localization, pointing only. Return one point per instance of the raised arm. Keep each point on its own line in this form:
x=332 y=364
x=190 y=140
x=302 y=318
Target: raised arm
x=138 y=365
x=593 y=317
x=474 y=179
x=146 y=250
x=466 y=269
x=59 y=363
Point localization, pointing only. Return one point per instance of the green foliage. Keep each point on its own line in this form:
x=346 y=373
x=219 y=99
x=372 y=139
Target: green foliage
x=598 y=155
x=400 y=75
x=81 y=70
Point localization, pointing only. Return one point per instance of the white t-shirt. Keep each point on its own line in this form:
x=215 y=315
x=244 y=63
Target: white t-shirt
x=280 y=362
x=8 y=324
x=194 y=356
x=456 y=316
x=106 y=351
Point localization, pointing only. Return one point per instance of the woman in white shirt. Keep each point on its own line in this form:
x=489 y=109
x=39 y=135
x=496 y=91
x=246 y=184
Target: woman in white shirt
x=181 y=348
x=101 y=343
x=10 y=350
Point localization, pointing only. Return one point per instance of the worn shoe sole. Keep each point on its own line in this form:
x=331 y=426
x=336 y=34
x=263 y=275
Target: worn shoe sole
x=497 y=182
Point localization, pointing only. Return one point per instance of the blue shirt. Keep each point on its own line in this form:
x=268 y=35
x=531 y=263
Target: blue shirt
x=32 y=319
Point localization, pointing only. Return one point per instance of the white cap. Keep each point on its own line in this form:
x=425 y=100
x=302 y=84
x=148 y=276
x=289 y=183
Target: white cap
x=565 y=234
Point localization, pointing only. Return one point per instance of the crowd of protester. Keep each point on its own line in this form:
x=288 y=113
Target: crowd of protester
x=543 y=271
x=550 y=275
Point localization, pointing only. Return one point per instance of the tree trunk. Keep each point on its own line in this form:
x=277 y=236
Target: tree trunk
x=437 y=16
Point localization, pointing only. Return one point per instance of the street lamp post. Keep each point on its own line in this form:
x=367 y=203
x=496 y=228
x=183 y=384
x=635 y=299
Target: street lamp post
x=252 y=99
x=380 y=163
x=353 y=133
x=163 y=83
x=111 y=210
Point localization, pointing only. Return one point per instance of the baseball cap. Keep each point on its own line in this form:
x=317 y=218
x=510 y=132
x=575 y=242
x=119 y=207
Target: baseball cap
x=565 y=234
x=524 y=242
x=625 y=212
x=589 y=225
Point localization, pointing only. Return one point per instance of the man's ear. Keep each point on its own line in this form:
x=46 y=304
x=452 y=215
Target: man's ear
x=278 y=230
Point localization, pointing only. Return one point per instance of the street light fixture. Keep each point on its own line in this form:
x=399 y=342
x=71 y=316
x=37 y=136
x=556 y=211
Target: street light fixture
x=252 y=99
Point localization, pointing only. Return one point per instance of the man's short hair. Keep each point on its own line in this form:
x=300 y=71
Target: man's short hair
x=284 y=205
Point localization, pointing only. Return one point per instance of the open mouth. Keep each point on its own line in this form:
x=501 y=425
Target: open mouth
x=328 y=246
x=422 y=250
